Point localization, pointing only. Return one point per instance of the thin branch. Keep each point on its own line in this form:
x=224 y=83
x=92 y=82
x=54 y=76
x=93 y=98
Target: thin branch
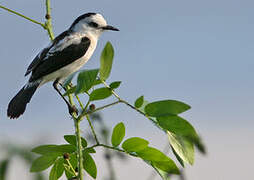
x=125 y=102
x=78 y=138
x=113 y=148
x=48 y=23
x=84 y=113
x=23 y=16
x=92 y=128
x=87 y=104
x=113 y=92
x=81 y=104
x=79 y=146
x=72 y=169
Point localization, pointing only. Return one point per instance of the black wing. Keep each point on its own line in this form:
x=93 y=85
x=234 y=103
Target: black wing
x=40 y=57
x=60 y=57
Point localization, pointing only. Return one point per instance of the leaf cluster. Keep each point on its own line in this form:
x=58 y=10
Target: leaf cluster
x=182 y=135
x=63 y=159
x=165 y=114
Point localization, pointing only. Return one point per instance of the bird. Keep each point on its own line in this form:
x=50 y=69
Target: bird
x=66 y=54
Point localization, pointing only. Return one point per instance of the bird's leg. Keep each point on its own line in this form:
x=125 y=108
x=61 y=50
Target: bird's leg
x=63 y=86
x=71 y=108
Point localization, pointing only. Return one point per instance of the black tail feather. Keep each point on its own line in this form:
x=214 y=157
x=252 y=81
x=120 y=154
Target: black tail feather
x=17 y=105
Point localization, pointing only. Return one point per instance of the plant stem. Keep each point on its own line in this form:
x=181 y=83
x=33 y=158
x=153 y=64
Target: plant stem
x=48 y=23
x=78 y=137
x=92 y=128
x=128 y=104
x=113 y=92
x=72 y=169
x=84 y=113
x=113 y=148
x=81 y=104
x=86 y=106
x=79 y=146
x=23 y=16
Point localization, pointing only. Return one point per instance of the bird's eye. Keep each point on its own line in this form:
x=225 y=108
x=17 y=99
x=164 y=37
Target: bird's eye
x=93 y=24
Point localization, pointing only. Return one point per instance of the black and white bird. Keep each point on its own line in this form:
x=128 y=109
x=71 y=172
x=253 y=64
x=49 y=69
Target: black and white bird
x=67 y=53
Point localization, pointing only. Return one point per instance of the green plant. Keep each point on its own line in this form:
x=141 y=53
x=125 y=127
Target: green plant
x=74 y=156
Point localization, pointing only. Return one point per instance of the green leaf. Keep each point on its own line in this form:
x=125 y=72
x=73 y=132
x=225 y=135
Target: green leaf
x=73 y=160
x=139 y=102
x=118 y=134
x=166 y=107
x=53 y=173
x=177 y=125
x=3 y=169
x=57 y=170
x=135 y=144
x=180 y=160
x=168 y=165
x=86 y=80
x=72 y=140
x=142 y=108
x=199 y=144
x=69 y=79
x=59 y=166
x=54 y=149
x=164 y=175
x=101 y=93
x=70 y=91
x=89 y=150
x=107 y=56
x=159 y=160
x=44 y=149
x=115 y=84
x=97 y=82
x=42 y=163
x=152 y=154
x=89 y=165
x=181 y=147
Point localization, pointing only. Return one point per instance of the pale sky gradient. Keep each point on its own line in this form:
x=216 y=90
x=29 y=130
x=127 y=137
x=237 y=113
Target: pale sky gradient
x=198 y=51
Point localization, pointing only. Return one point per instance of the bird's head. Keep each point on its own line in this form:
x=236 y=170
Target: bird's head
x=91 y=23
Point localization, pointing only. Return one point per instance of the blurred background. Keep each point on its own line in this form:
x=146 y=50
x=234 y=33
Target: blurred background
x=199 y=52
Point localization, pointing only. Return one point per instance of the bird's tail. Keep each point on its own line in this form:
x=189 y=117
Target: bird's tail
x=17 y=105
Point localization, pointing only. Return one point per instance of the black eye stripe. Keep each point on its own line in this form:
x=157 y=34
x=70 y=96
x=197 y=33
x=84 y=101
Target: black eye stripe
x=93 y=24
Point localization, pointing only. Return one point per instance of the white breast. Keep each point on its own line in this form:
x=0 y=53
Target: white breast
x=64 y=72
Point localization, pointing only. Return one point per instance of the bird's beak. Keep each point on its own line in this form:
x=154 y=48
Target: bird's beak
x=108 y=27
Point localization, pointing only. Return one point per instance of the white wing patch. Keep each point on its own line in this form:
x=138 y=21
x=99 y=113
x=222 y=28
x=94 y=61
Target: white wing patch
x=64 y=43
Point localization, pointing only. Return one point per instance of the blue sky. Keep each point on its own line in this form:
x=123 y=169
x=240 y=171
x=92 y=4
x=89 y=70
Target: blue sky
x=199 y=52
